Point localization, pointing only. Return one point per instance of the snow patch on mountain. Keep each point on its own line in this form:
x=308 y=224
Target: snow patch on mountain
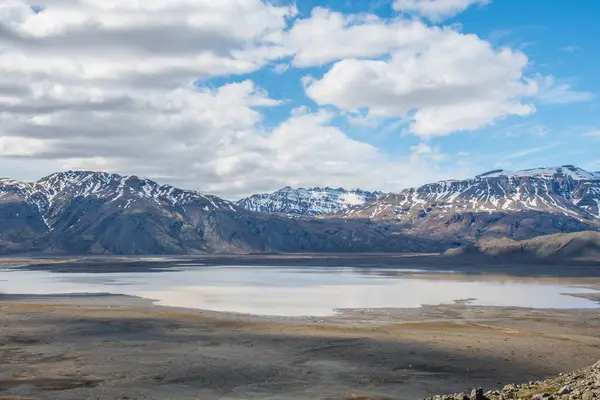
x=565 y=190
x=123 y=190
x=307 y=202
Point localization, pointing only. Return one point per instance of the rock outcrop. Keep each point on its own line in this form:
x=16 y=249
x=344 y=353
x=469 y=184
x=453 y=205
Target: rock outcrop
x=583 y=384
x=577 y=245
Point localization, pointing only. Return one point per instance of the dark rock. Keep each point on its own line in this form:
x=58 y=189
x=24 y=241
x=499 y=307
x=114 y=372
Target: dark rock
x=564 y=390
x=477 y=394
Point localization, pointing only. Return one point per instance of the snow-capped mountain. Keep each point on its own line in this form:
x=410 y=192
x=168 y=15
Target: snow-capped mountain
x=82 y=212
x=307 y=202
x=565 y=190
x=50 y=193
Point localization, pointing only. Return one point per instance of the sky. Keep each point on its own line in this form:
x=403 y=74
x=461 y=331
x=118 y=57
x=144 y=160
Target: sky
x=234 y=97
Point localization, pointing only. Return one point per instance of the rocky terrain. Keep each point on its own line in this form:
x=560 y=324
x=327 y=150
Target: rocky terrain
x=583 y=384
x=307 y=202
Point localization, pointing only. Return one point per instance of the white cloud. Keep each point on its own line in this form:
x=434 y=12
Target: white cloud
x=593 y=133
x=280 y=68
x=553 y=92
x=21 y=147
x=421 y=148
x=427 y=152
x=131 y=105
x=114 y=85
x=119 y=41
x=450 y=82
x=435 y=10
x=362 y=35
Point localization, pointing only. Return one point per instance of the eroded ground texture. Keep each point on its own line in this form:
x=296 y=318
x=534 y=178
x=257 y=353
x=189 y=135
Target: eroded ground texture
x=116 y=347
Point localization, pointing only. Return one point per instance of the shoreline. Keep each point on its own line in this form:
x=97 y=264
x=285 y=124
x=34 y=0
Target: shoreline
x=476 y=265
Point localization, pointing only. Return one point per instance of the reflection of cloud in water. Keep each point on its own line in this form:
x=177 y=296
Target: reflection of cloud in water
x=293 y=291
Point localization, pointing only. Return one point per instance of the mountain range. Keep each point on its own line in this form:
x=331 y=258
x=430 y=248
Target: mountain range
x=519 y=205
x=83 y=212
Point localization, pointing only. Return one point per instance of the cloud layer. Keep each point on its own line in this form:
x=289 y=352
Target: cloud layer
x=125 y=86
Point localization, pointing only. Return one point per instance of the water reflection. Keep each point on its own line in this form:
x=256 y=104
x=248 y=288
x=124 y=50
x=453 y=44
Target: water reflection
x=290 y=291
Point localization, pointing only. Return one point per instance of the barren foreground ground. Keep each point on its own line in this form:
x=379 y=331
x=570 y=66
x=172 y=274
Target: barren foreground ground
x=116 y=347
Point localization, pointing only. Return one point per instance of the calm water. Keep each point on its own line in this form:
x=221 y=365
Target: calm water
x=292 y=291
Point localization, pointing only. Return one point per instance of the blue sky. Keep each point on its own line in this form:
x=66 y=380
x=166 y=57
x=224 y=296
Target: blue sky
x=560 y=39
x=234 y=97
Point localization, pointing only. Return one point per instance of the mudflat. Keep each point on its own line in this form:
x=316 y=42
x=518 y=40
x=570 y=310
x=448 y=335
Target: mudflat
x=120 y=347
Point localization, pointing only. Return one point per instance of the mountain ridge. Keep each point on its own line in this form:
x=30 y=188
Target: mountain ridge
x=84 y=212
x=564 y=190
x=306 y=201
x=87 y=212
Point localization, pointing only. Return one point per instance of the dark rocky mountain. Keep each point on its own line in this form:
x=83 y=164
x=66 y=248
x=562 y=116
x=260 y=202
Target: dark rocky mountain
x=81 y=212
x=518 y=205
x=307 y=202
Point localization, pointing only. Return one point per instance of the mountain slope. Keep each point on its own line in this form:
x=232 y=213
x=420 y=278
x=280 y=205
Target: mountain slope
x=85 y=212
x=563 y=190
x=520 y=204
x=306 y=202
x=577 y=245
x=82 y=212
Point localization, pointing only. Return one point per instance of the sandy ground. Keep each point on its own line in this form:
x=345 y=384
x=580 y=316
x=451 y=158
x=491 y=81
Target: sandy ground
x=119 y=347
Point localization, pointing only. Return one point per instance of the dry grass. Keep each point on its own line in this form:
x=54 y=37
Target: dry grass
x=18 y=398
x=551 y=387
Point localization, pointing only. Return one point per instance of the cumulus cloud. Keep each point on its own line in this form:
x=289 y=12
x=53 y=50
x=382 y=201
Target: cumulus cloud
x=129 y=40
x=449 y=82
x=435 y=10
x=124 y=86
x=131 y=102
x=361 y=35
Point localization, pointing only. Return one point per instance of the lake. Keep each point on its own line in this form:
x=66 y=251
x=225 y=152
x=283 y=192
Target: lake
x=301 y=291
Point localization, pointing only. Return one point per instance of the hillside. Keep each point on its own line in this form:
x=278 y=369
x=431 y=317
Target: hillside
x=307 y=202
x=518 y=205
x=578 y=245
x=582 y=384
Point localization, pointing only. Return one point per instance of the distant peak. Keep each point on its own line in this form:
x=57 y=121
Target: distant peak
x=570 y=171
